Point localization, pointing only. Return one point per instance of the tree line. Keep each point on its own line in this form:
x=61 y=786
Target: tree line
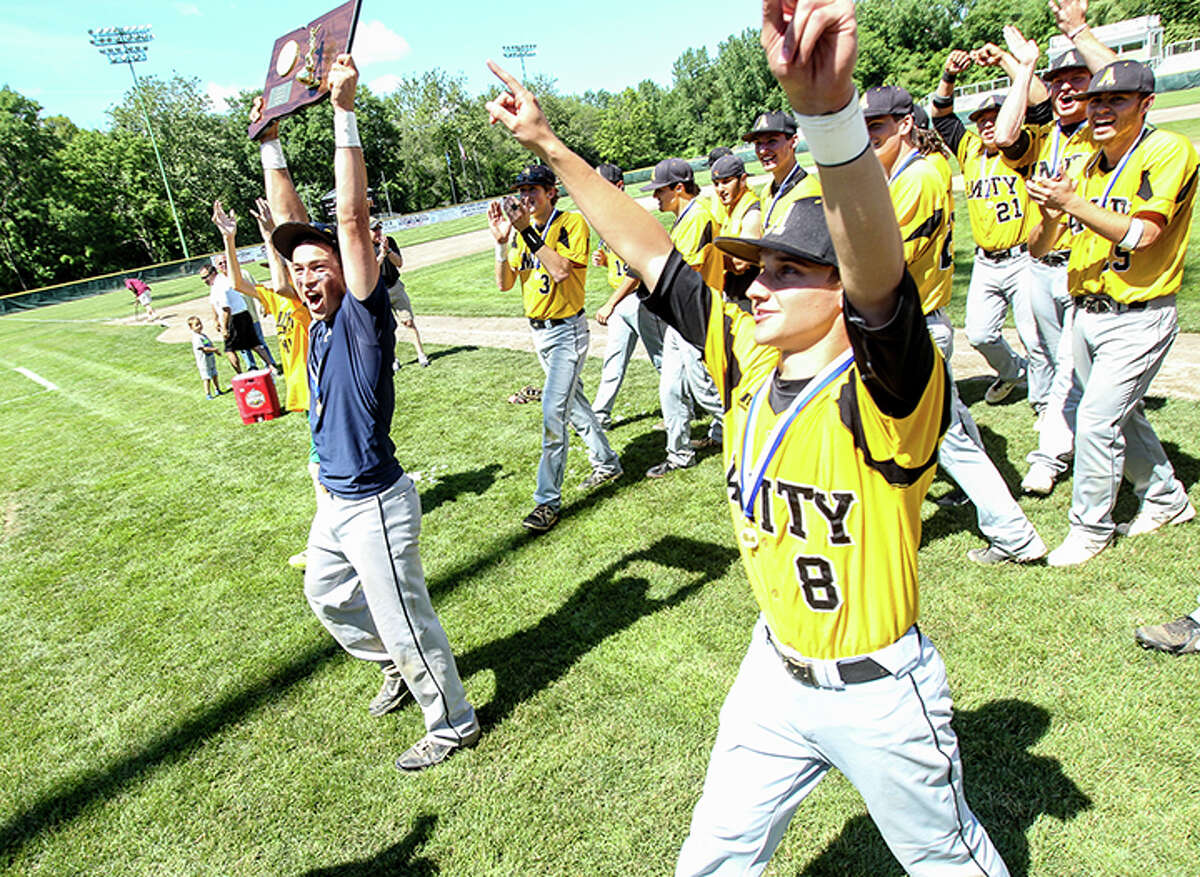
x=76 y=202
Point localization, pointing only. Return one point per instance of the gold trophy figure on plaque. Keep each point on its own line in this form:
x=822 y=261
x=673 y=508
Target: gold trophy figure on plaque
x=308 y=76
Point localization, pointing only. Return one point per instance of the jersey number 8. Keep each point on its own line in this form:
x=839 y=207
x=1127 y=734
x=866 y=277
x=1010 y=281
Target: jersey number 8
x=817 y=583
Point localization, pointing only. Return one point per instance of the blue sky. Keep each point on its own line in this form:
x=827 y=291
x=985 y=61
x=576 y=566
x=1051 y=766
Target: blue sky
x=45 y=54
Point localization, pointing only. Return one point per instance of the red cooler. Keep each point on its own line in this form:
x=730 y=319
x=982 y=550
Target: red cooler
x=256 y=396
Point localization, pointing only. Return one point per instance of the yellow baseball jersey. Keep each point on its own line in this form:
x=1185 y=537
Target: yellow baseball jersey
x=1000 y=211
x=693 y=234
x=716 y=208
x=1049 y=149
x=1159 y=178
x=732 y=221
x=618 y=270
x=776 y=201
x=924 y=209
x=567 y=234
x=831 y=547
x=292 y=320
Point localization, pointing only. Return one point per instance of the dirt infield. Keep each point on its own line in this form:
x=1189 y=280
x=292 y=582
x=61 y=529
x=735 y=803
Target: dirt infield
x=1178 y=379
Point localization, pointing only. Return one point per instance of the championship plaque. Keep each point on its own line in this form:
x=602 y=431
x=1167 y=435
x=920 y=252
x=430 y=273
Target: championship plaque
x=300 y=62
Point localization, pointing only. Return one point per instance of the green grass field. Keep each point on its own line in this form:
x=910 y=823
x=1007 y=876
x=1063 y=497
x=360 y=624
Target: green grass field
x=171 y=706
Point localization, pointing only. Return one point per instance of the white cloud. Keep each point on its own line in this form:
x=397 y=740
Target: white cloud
x=187 y=8
x=376 y=43
x=385 y=84
x=220 y=94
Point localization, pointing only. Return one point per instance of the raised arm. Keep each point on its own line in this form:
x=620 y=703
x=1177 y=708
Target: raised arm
x=627 y=227
x=350 y=182
x=285 y=202
x=281 y=280
x=1019 y=63
x=1071 y=17
x=812 y=55
x=943 y=99
x=226 y=224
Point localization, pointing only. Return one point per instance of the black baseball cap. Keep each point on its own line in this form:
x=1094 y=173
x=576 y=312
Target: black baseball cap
x=991 y=102
x=803 y=234
x=718 y=152
x=886 y=100
x=728 y=166
x=1122 y=76
x=771 y=122
x=1068 y=60
x=669 y=172
x=535 y=175
x=289 y=235
x=610 y=172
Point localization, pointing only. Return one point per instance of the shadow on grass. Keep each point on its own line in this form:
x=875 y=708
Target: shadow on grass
x=174 y=745
x=448 y=351
x=529 y=660
x=399 y=859
x=450 y=487
x=1008 y=789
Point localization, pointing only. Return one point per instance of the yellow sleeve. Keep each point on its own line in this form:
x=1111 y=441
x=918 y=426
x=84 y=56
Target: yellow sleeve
x=1167 y=174
x=571 y=238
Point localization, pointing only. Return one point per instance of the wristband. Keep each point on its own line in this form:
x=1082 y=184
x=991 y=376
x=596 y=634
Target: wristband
x=502 y=251
x=1134 y=236
x=942 y=103
x=949 y=77
x=271 y=153
x=1076 y=32
x=345 y=129
x=532 y=239
x=836 y=138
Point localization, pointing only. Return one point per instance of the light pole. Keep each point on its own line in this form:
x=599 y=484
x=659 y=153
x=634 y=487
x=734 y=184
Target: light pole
x=522 y=51
x=124 y=45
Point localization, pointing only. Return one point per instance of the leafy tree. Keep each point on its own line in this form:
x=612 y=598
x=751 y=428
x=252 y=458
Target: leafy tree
x=28 y=170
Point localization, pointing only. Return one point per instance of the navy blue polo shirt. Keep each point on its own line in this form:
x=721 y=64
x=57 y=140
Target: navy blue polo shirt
x=352 y=396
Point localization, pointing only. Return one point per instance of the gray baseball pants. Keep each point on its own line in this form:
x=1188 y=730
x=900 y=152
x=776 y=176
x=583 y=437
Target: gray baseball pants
x=629 y=321
x=683 y=372
x=994 y=287
x=365 y=583
x=1117 y=355
x=961 y=454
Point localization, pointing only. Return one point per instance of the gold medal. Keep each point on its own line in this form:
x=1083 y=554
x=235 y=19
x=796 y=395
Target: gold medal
x=748 y=536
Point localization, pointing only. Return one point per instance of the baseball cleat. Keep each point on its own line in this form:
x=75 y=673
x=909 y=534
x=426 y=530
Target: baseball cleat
x=993 y=554
x=1148 y=522
x=666 y=467
x=429 y=751
x=1076 y=549
x=999 y=391
x=701 y=444
x=601 y=476
x=1039 y=481
x=1178 y=637
x=391 y=694
x=540 y=519
x=952 y=499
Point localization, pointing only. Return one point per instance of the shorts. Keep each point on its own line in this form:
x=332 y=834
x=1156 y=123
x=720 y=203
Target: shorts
x=209 y=369
x=399 y=299
x=241 y=333
x=144 y=299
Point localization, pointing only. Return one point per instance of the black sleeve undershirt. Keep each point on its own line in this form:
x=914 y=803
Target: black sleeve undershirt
x=682 y=299
x=951 y=129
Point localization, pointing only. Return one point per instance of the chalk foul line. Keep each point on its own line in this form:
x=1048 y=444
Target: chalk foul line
x=36 y=378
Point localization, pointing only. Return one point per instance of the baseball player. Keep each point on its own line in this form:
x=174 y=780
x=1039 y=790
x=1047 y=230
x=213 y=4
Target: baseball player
x=773 y=135
x=1128 y=218
x=683 y=375
x=741 y=217
x=837 y=400
x=625 y=318
x=1178 y=637
x=364 y=577
x=549 y=257
x=1060 y=146
x=1000 y=222
x=924 y=205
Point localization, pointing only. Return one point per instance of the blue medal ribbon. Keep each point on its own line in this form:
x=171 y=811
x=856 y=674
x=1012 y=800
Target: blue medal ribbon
x=783 y=188
x=912 y=156
x=1121 y=166
x=750 y=477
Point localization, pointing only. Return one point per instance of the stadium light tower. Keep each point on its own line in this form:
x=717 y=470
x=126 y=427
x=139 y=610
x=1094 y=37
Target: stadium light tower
x=522 y=51
x=125 y=45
